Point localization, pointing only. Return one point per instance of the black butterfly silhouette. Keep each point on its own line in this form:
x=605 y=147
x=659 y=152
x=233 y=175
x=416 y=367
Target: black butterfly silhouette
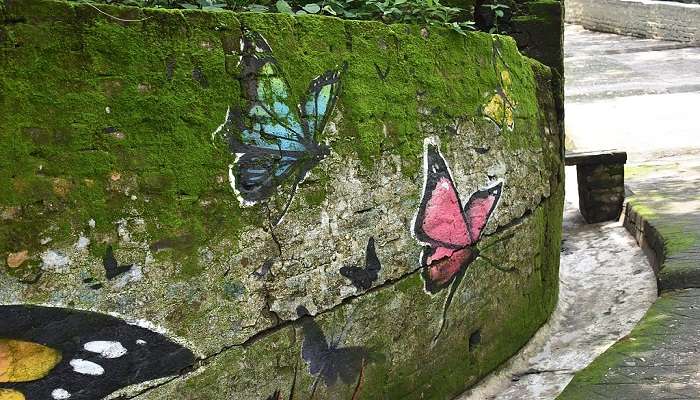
x=112 y=268
x=327 y=361
x=99 y=354
x=362 y=278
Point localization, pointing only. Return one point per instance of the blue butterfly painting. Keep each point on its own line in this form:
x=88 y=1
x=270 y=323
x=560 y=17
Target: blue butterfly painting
x=273 y=139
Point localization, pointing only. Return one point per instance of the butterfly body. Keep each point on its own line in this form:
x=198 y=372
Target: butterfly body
x=448 y=230
x=273 y=139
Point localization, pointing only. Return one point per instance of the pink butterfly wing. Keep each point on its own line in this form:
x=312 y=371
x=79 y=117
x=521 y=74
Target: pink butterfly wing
x=443 y=220
x=479 y=209
x=440 y=221
x=440 y=271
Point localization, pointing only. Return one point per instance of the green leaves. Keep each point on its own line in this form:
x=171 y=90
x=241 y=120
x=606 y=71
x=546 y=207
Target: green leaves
x=283 y=7
x=312 y=8
x=425 y=13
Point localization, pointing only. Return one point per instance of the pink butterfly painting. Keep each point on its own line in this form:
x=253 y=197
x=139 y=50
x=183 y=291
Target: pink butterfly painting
x=448 y=231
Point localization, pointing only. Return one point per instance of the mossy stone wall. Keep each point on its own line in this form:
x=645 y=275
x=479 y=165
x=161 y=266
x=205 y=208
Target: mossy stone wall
x=108 y=144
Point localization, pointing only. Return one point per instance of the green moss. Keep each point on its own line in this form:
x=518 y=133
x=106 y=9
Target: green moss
x=644 y=338
x=107 y=109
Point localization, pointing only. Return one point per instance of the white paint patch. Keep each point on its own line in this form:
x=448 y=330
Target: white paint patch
x=86 y=367
x=122 y=231
x=54 y=261
x=223 y=124
x=83 y=242
x=232 y=182
x=133 y=275
x=106 y=348
x=60 y=394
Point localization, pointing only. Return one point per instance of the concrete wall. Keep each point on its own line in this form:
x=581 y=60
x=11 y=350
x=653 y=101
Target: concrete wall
x=648 y=19
x=155 y=242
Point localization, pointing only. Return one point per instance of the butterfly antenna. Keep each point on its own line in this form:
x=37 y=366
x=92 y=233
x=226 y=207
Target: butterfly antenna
x=272 y=229
x=360 y=379
x=490 y=261
x=497 y=241
x=448 y=301
x=289 y=202
x=313 y=388
x=294 y=381
x=493 y=264
x=339 y=338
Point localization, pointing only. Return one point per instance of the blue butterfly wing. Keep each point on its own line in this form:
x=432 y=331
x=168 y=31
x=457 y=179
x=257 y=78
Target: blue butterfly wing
x=261 y=170
x=269 y=136
x=320 y=101
x=268 y=122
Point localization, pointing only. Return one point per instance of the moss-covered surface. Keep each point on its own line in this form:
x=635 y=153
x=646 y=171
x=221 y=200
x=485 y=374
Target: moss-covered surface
x=106 y=140
x=403 y=362
x=657 y=359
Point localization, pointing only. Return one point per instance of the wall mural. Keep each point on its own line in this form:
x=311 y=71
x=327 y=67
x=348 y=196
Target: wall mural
x=448 y=231
x=272 y=138
x=59 y=353
x=362 y=278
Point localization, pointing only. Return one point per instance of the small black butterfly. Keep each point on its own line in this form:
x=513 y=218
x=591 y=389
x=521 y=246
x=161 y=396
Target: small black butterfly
x=93 y=354
x=326 y=360
x=112 y=268
x=362 y=278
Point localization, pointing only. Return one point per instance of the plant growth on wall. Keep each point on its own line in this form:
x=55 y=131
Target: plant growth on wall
x=420 y=12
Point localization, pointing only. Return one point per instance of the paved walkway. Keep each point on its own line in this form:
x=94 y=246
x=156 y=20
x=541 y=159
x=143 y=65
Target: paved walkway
x=660 y=358
x=606 y=285
x=640 y=95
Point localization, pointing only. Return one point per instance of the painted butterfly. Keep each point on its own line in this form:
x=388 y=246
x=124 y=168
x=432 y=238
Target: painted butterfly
x=447 y=230
x=362 y=278
x=272 y=139
x=326 y=360
x=59 y=353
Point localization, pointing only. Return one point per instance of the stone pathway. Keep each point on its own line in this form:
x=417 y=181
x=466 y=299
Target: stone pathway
x=640 y=95
x=606 y=286
x=660 y=358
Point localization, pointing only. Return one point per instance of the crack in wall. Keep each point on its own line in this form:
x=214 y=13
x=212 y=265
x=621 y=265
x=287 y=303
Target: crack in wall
x=203 y=362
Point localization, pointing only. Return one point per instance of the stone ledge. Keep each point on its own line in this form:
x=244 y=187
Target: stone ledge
x=643 y=18
x=673 y=271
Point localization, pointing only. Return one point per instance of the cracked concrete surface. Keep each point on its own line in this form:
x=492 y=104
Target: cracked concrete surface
x=606 y=286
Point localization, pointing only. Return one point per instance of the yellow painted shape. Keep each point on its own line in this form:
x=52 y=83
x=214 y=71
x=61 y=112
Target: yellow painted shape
x=499 y=111
x=22 y=361
x=9 y=394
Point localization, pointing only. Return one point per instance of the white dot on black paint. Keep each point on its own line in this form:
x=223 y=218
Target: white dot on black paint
x=60 y=394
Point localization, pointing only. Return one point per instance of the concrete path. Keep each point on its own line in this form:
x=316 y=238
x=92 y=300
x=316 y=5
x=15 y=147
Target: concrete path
x=640 y=95
x=606 y=286
x=659 y=359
